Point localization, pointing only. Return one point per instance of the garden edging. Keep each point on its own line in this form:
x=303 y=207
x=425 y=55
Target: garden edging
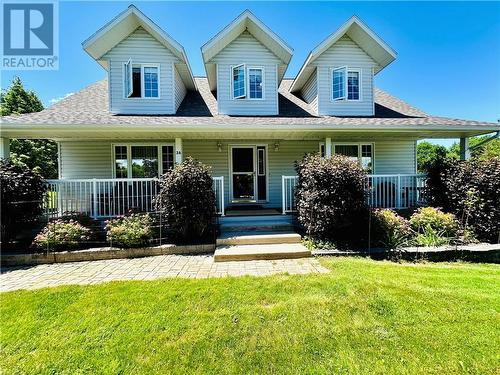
x=104 y=253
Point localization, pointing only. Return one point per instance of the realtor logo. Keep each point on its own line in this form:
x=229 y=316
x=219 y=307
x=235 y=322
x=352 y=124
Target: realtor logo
x=30 y=35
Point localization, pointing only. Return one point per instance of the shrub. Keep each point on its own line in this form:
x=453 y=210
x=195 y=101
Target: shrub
x=471 y=191
x=429 y=236
x=330 y=198
x=22 y=193
x=134 y=230
x=187 y=201
x=435 y=219
x=390 y=230
x=61 y=234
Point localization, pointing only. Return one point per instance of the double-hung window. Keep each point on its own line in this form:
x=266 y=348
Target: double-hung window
x=141 y=80
x=361 y=153
x=247 y=82
x=142 y=161
x=346 y=84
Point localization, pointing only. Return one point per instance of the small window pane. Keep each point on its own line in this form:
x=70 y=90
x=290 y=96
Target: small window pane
x=367 y=158
x=136 y=83
x=144 y=161
x=121 y=162
x=353 y=86
x=239 y=82
x=151 y=82
x=255 y=77
x=322 y=150
x=167 y=158
x=338 y=84
x=261 y=166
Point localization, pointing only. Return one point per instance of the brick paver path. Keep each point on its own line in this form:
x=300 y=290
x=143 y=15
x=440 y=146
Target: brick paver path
x=150 y=268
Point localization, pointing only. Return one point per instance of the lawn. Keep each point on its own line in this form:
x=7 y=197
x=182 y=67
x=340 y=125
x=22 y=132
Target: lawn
x=363 y=317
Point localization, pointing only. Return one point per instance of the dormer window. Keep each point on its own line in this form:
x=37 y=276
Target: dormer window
x=141 y=80
x=247 y=82
x=345 y=84
x=239 y=87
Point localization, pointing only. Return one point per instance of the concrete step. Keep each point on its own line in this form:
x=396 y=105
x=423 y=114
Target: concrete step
x=256 y=227
x=257 y=238
x=226 y=253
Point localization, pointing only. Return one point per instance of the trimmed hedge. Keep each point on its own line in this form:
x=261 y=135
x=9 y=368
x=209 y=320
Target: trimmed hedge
x=330 y=196
x=471 y=191
x=187 y=201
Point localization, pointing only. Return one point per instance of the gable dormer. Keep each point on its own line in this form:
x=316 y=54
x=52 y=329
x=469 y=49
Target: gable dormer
x=337 y=76
x=245 y=64
x=148 y=71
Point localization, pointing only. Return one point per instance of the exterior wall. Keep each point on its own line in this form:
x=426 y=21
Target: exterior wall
x=310 y=91
x=395 y=157
x=247 y=50
x=180 y=89
x=85 y=160
x=345 y=53
x=94 y=159
x=141 y=48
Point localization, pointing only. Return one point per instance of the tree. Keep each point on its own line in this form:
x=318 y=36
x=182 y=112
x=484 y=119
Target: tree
x=483 y=152
x=428 y=154
x=39 y=155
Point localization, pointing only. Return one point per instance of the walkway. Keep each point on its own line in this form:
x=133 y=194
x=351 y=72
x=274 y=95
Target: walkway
x=150 y=268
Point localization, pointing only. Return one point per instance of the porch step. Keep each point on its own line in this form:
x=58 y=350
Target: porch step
x=272 y=223
x=260 y=252
x=258 y=238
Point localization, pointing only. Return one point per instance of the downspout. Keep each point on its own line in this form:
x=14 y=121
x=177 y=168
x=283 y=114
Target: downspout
x=485 y=141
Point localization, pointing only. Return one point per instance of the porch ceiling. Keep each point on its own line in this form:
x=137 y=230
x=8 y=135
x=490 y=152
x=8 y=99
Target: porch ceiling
x=308 y=132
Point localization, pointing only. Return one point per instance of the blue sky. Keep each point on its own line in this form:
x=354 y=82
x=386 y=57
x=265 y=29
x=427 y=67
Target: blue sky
x=448 y=52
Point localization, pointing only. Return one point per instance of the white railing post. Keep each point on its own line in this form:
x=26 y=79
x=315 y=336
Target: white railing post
x=94 y=198
x=399 y=191
x=222 y=208
x=283 y=192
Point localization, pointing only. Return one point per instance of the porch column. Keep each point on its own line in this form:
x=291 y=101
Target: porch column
x=4 y=148
x=328 y=147
x=178 y=150
x=464 y=148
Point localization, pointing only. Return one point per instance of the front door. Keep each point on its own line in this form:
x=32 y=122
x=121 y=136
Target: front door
x=243 y=173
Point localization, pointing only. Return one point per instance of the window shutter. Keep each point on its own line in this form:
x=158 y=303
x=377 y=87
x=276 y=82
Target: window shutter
x=128 y=78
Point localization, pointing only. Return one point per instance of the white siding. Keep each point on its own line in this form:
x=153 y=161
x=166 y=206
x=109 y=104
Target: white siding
x=180 y=89
x=393 y=157
x=310 y=92
x=345 y=53
x=141 y=48
x=246 y=50
x=85 y=160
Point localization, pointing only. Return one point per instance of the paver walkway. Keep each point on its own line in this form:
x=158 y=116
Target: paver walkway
x=150 y=268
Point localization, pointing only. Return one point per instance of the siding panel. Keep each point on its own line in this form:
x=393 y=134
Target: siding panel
x=345 y=53
x=180 y=89
x=85 y=160
x=246 y=50
x=141 y=48
x=392 y=157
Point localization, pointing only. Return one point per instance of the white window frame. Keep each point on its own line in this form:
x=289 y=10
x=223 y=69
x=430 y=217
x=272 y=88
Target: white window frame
x=245 y=77
x=353 y=70
x=261 y=68
x=142 y=66
x=129 y=156
x=346 y=91
x=332 y=71
x=359 y=144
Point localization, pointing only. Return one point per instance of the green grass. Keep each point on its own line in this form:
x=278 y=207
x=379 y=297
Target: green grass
x=363 y=317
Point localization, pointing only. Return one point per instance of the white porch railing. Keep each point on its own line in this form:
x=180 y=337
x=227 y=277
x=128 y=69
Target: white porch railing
x=383 y=191
x=100 y=198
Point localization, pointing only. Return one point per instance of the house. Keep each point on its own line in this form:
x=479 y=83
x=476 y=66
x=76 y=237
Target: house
x=245 y=118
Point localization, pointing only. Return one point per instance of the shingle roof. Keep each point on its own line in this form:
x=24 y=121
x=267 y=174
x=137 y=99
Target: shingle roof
x=90 y=106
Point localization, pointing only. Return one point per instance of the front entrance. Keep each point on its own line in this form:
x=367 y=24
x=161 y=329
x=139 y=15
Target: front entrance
x=248 y=174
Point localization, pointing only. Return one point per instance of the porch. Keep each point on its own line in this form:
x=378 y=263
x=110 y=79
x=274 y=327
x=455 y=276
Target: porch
x=105 y=198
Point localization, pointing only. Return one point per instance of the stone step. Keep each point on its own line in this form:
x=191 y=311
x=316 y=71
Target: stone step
x=226 y=253
x=257 y=238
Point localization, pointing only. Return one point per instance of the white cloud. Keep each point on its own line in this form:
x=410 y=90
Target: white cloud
x=55 y=100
